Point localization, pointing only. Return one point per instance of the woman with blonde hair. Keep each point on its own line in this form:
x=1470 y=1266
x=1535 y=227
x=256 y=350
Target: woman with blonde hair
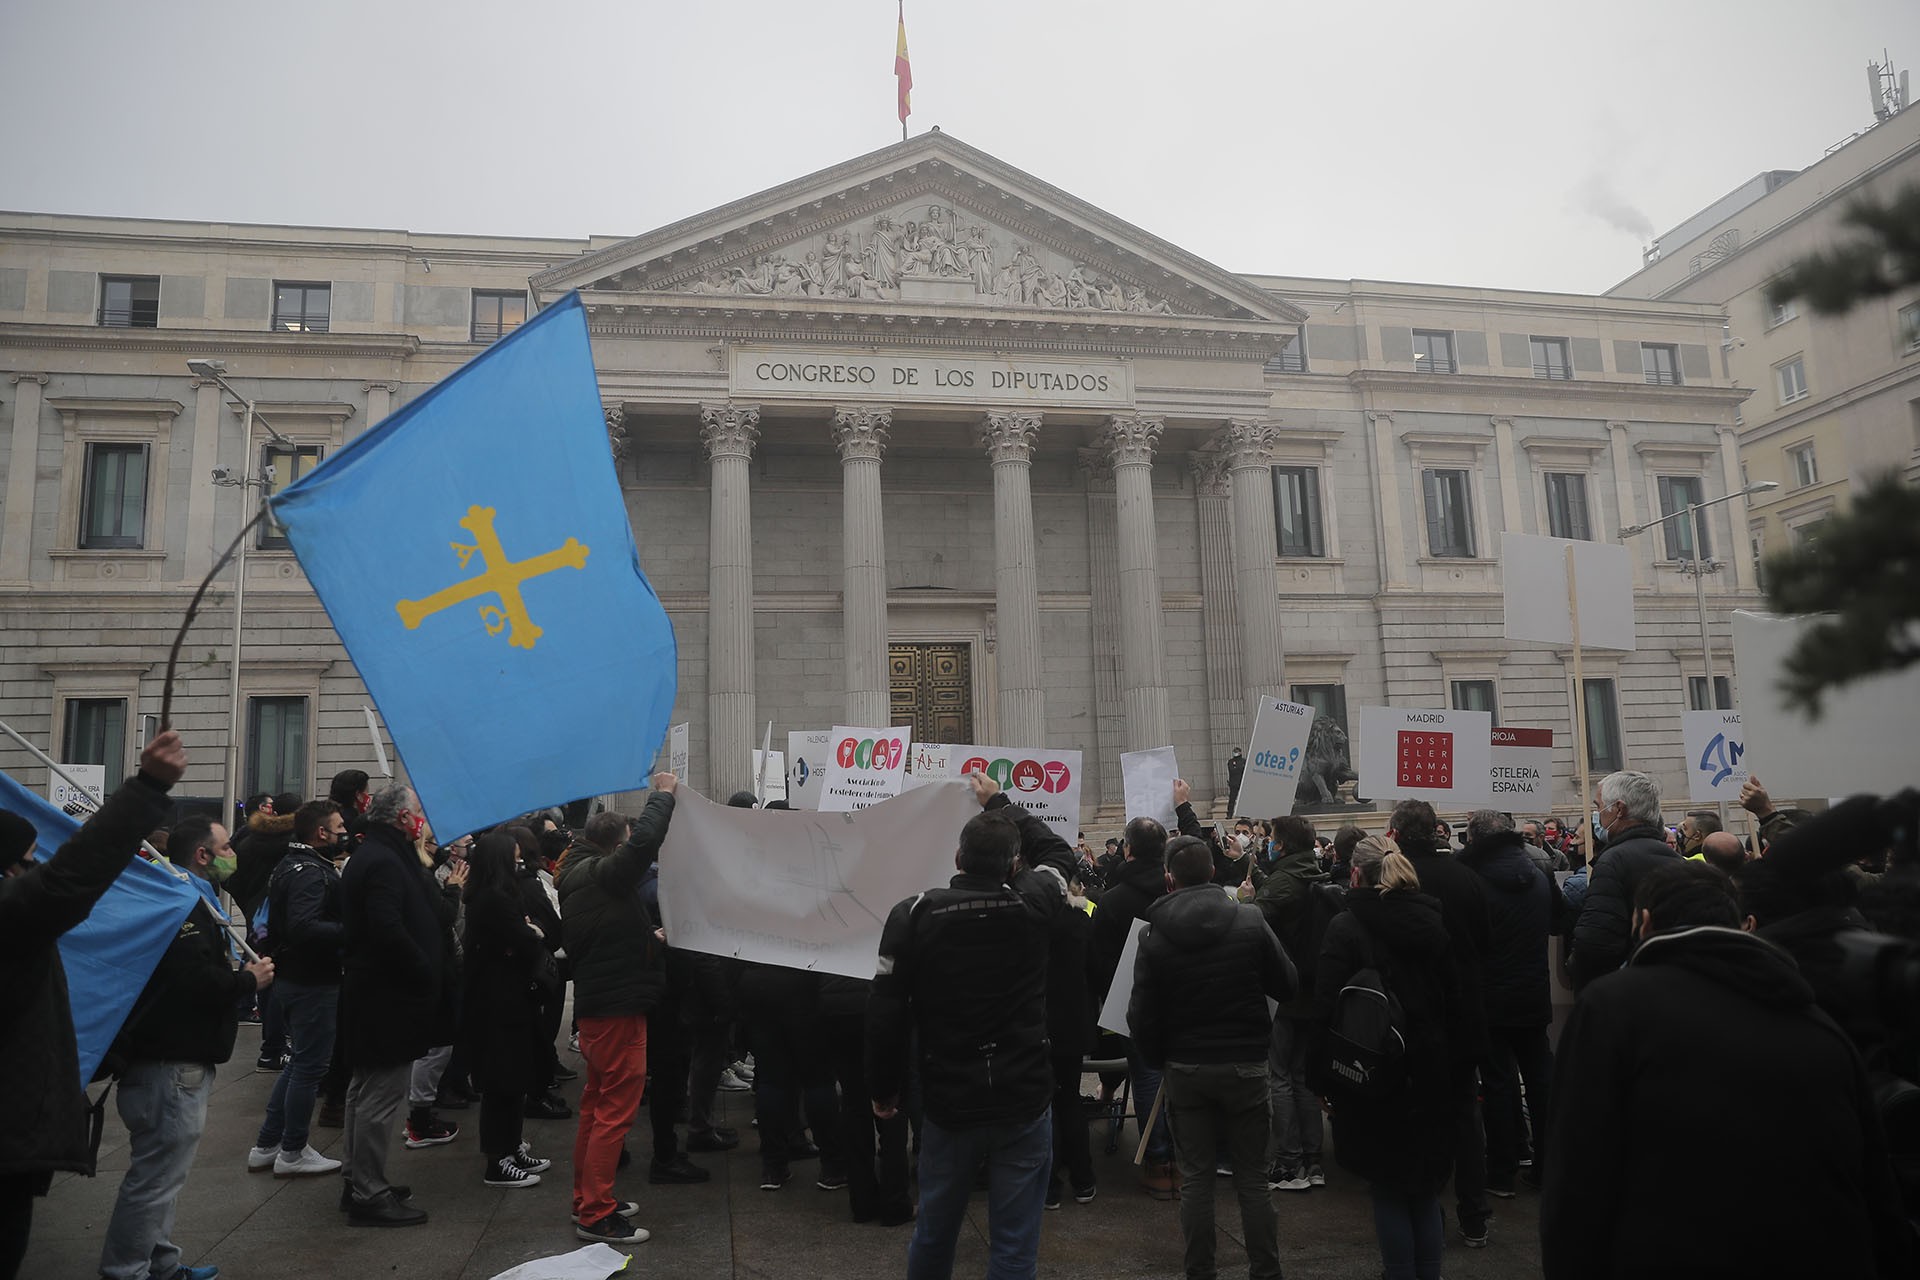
x=1401 y=1142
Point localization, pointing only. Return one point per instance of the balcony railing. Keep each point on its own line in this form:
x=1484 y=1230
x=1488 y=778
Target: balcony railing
x=138 y=317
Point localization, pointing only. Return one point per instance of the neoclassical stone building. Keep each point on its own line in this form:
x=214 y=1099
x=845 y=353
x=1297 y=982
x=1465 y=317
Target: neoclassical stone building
x=916 y=439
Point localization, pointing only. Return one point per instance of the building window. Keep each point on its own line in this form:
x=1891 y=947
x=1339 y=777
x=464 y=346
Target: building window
x=1550 y=359
x=1567 y=506
x=1329 y=700
x=1292 y=357
x=96 y=733
x=1779 y=313
x=497 y=313
x=1807 y=533
x=1476 y=695
x=301 y=308
x=288 y=466
x=1909 y=318
x=1296 y=503
x=1661 y=364
x=277 y=745
x=1603 y=728
x=1791 y=380
x=1806 y=470
x=1449 y=514
x=1697 y=693
x=113 y=511
x=1433 y=351
x=129 y=302
x=1677 y=493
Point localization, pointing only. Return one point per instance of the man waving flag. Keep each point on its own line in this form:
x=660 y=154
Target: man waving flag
x=903 y=71
x=474 y=553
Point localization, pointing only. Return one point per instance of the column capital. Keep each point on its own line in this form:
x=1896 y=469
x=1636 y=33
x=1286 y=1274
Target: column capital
x=38 y=379
x=1725 y=429
x=1130 y=440
x=1098 y=468
x=1249 y=442
x=617 y=430
x=391 y=388
x=860 y=432
x=1617 y=428
x=1500 y=420
x=1211 y=470
x=1008 y=435
x=1377 y=416
x=729 y=430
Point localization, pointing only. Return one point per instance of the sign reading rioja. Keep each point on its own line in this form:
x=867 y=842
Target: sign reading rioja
x=891 y=377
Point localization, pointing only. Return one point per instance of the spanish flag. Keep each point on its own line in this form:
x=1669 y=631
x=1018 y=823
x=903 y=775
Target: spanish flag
x=903 y=71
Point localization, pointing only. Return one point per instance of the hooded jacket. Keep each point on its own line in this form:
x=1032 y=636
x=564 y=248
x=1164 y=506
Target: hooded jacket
x=269 y=836
x=1520 y=915
x=616 y=961
x=1709 y=1120
x=43 y=1109
x=1282 y=900
x=1135 y=886
x=304 y=931
x=1206 y=968
x=1603 y=935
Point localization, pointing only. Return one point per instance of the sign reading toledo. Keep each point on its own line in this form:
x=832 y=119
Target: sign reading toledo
x=889 y=377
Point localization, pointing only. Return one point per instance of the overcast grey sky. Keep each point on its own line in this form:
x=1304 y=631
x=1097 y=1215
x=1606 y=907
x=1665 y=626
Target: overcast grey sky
x=1528 y=145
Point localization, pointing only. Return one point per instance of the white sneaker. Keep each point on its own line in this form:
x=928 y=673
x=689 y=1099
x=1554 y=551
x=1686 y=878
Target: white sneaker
x=731 y=1083
x=261 y=1159
x=308 y=1164
x=744 y=1068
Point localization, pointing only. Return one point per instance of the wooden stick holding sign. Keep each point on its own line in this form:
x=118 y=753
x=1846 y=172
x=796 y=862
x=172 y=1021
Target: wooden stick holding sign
x=1146 y=1128
x=1580 y=711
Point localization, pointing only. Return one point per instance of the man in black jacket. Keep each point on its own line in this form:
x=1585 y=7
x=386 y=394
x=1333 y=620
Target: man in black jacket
x=1206 y=968
x=180 y=1029
x=1463 y=909
x=618 y=980
x=965 y=967
x=1636 y=844
x=303 y=936
x=43 y=1109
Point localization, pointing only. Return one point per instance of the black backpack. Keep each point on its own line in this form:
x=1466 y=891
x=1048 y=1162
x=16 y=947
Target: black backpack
x=1364 y=1055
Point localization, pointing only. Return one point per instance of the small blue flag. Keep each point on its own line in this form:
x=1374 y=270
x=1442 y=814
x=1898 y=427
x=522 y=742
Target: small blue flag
x=475 y=555
x=110 y=955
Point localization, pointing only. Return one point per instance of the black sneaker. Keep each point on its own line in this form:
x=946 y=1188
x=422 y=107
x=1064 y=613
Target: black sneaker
x=432 y=1132
x=1053 y=1196
x=506 y=1172
x=562 y=1072
x=612 y=1229
x=400 y=1193
x=714 y=1139
x=1085 y=1195
x=272 y=1061
x=831 y=1179
x=1474 y=1237
x=1504 y=1193
x=774 y=1179
x=547 y=1107
x=384 y=1210
x=626 y=1209
x=677 y=1170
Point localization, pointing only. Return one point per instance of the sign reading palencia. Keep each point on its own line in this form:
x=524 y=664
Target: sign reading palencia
x=888 y=377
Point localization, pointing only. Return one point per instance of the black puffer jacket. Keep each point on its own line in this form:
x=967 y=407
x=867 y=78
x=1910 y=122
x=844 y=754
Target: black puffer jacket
x=1603 y=936
x=189 y=1011
x=1206 y=968
x=269 y=836
x=43 y=1109
x=617 y=966
x=965 y=966
x=1135 y=886
x=1463 y=908
x=398 y=973
x=304 y=932
x=1666 y=1076
x=1520 y=916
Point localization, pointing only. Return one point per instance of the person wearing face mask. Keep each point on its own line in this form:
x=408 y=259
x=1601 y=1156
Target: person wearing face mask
x=181 y=1028
x=1629 y=808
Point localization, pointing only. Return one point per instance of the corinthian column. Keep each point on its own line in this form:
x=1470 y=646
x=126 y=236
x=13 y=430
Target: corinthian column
x=1249 y=448
x=1008 y=438
x=729 y=432
x=1129 y=442
x=860 y=433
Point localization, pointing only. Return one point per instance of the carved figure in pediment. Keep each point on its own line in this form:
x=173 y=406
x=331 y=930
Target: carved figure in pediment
x=979 y=258
x=916 y=251
x=940 y=221
x=788 y=281
x=1053 y=291
x=712 y=282
x=1137 y=300
x=1006 y=286
x=833 y=266
x=1026 y=271
x=1111 y=298
x=1079 y=293
x=883 y=253
x=859 y=283
x=813 y=277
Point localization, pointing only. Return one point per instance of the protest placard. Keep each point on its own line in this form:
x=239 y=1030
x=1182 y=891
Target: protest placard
x=807 y=753
x=678 y=752
x=866 y=767
x=1147 y=779
x=1533 y=583
x=1113 y=1014
x=933 y=762
x=771 y=765
x=379 y=747
x=1045 y=783
x=1445 y=757
x=1716 y=755
x=80 y=800
x=1522 y=767
x=1280 y=733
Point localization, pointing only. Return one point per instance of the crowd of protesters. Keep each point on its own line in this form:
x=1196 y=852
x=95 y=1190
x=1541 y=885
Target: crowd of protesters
x=1380 y=1003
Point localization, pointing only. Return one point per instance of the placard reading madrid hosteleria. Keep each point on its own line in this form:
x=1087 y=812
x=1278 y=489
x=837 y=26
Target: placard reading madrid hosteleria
x=866 y=767
x=1444 y=757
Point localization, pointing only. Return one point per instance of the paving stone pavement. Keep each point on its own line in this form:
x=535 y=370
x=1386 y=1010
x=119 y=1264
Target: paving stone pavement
x=256 y=1226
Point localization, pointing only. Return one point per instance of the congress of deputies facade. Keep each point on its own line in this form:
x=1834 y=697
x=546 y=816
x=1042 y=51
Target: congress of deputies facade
x=915 y=439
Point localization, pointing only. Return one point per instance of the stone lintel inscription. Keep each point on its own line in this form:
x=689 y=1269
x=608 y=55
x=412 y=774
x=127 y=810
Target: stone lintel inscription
x=814 y=373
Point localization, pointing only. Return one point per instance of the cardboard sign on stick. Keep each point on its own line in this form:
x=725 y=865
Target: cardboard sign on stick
x=1148 y=778
x=678 y=753
x=1444 y=757
x=1113 y=1014
x=1279 y=745
x=1522 y=766
x=1716 y=755
x=1533 y=581
x=807 y=754
x=867 y=766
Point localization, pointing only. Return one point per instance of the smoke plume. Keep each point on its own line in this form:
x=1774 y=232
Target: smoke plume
x=1597 y=196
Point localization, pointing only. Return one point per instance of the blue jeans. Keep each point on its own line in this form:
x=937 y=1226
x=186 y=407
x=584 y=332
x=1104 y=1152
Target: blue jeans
x=1298 y=1128
x=1409 y=1231
x=1146 y=1087
x=164 y=1106
x=309 y=1015
x=1017 y=1156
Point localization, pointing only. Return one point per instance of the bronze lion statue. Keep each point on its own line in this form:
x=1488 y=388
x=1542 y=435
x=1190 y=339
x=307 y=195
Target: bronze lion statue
x=1328 y=764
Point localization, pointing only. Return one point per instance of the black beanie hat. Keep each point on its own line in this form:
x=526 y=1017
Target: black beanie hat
x=17 y=835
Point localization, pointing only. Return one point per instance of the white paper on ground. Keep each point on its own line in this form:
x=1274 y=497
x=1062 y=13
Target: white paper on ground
x=1148 y=778
x=595 y=1262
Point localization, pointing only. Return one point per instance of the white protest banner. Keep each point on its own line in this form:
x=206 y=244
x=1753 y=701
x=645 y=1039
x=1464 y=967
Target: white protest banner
x=1533 y=580
x=932 y=762
x=1522 y=768
x=1148 y=778
x=1716 y=755
x=807 y=754
x=1113 y=1014
x=1280 y=732
x=677 y=751
x=800 y=889
x=84 y=799
x=867 y=766
x=1863 y=740
x=1045 y=783
x=379 y=747
x=1445 y=757
x=775 y=763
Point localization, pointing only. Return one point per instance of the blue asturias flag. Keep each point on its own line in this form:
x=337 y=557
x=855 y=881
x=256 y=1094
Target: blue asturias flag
x=110 y=955
x=475 y=555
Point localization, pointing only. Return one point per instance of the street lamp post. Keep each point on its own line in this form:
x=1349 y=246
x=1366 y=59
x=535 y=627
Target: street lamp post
x=223 y=476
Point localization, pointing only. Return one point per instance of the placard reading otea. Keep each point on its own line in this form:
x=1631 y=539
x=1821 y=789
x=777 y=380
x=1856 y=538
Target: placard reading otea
x=816 y=373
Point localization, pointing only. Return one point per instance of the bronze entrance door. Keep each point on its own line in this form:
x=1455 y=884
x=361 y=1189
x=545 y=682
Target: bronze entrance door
x=931 y=688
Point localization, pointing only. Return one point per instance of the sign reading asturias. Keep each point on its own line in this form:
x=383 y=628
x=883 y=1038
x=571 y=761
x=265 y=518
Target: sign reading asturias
x=809 y=372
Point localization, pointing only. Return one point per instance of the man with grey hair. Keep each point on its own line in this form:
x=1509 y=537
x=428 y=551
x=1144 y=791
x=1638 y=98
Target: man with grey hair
x=396 y=976
x=1548 y=860
x=1634 y=843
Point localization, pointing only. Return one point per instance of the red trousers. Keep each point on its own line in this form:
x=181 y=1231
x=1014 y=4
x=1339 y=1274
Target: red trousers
x=616 y=1054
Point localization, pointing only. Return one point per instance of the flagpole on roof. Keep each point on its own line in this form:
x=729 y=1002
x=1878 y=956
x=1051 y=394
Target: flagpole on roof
x=903 y=71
